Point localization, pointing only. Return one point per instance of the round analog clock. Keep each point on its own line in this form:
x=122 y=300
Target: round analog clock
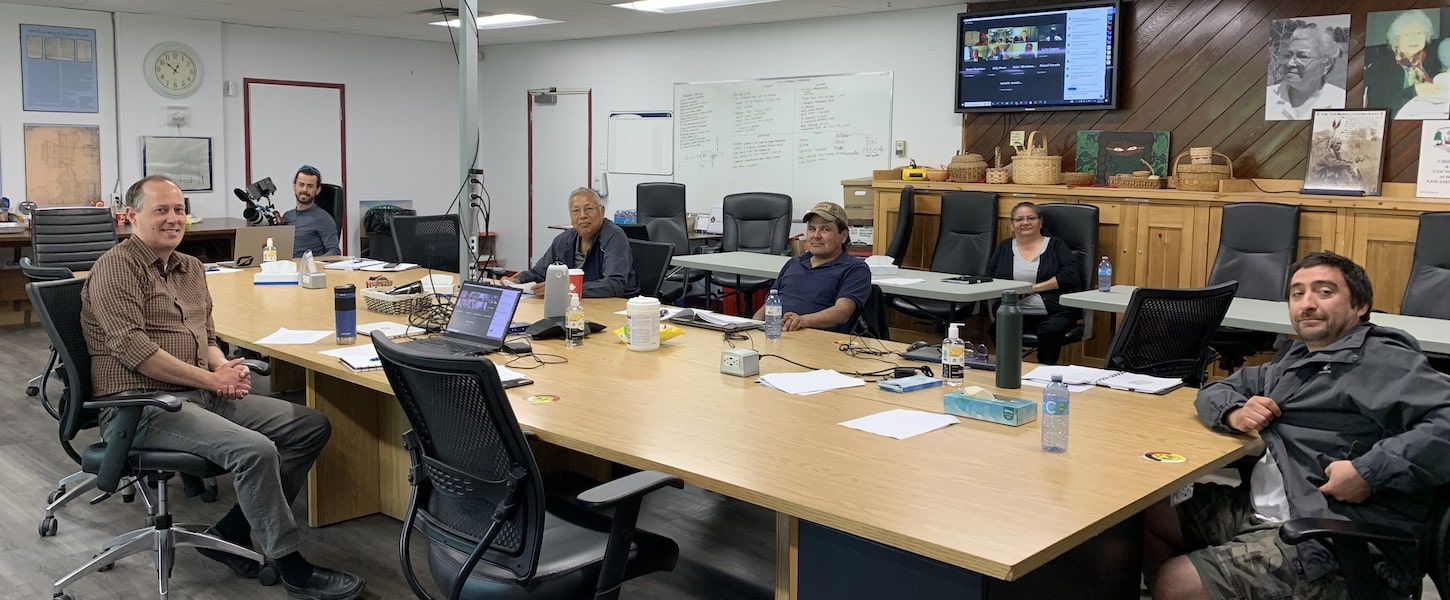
x=173 y=69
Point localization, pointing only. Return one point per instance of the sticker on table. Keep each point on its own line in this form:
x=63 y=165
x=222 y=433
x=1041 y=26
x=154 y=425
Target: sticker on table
x=1165 y=457
x=543 y=399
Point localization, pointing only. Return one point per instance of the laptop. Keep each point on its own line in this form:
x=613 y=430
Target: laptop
x=247 y=249
x=480 y=321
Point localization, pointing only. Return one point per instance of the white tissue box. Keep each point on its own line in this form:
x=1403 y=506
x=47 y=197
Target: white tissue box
x=274 y=279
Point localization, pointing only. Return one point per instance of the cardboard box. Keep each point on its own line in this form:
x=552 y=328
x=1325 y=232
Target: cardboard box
x=1000 y=409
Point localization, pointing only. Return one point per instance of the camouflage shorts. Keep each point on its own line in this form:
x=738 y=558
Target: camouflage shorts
x=1240 y=556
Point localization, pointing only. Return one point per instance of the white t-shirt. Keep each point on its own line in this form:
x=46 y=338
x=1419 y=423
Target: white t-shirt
x=1024 y=270
x=1278 y=108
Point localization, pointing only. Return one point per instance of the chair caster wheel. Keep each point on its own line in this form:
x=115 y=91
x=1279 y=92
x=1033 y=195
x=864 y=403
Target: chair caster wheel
x=106 y=567
x=61 y=597
x=32 y=391
x=55 y=495
x=268 y=575
x=48 y=525
x=210 y=495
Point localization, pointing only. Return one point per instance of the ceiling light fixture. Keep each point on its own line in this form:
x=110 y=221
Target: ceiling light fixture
x=676 y=6
x=501 y=21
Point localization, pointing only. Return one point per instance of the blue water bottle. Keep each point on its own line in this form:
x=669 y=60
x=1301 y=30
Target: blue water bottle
x=774 y=313
x=1055 y=403
x=344 y=304
x=1105 y=275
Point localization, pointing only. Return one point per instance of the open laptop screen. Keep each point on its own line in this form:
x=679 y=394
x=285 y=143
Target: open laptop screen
x=483 y=311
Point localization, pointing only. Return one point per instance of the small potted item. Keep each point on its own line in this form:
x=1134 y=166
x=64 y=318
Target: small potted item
x=967 y=168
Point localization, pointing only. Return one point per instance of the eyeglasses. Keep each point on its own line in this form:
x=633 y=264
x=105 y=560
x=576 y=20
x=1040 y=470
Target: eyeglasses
x=1027 y=219
x=590 y=210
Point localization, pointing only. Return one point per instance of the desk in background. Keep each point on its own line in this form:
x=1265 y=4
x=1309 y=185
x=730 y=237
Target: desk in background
x=1272 y=316
x=976 y=504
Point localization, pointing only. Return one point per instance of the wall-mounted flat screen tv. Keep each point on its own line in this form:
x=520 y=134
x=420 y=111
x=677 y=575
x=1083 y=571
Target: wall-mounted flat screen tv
x=1042 y=58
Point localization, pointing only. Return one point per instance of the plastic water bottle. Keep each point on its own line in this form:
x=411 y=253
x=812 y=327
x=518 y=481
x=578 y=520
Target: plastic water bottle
x=1055 y=402
x=773 y=315
x=953 y=357
x=1105 y=275
x=574 y=327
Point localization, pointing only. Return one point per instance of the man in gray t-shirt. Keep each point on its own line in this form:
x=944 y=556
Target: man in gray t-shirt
x=315 y=229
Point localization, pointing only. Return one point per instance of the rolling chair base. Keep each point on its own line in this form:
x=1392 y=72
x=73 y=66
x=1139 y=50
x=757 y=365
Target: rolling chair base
x=74 y=486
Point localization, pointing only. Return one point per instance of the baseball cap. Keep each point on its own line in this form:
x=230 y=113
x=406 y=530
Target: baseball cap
x=829 y=211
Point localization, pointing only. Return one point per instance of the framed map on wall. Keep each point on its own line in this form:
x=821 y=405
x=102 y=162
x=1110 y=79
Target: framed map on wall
x=62 y=164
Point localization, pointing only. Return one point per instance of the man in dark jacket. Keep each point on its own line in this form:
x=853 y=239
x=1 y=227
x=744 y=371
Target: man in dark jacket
x=1356 y=426
x=596 y=245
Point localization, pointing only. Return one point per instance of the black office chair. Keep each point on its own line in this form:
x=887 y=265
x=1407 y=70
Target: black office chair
x=1429 y=283
x=115 y=458
x=753 y=222
x=651 y=262
x=1077 y=226
x=479 y=499
x=963 y=244
x=635 y=232
x=871 y=318
x=660 y=207
x=378 y=224
x=905 y=219
x=330 y=198
x=1165 y=332
x=1349 y=541
x=72 y=237
x=430 y=241
x=1256 y=244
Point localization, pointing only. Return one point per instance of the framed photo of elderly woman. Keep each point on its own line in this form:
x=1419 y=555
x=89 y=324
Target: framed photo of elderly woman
x=1346 y=152
x=1406 y=59
x=1308 y=58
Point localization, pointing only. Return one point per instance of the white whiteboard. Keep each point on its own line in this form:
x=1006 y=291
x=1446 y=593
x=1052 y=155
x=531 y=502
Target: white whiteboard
x=639 y=142
x=799 y=136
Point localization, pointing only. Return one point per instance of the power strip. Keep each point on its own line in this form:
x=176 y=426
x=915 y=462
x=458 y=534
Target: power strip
x=740 y=362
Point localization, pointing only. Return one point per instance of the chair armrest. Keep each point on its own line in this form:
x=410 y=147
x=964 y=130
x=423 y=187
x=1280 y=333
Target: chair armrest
x=139 y=398
x=1298 y=530
x=628 y=487
x=260 y=367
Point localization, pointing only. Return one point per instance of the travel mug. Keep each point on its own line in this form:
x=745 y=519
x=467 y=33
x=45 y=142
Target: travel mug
x=344 y=303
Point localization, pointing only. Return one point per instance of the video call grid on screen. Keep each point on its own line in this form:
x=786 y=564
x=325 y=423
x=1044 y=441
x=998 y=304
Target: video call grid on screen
x=1061 y=58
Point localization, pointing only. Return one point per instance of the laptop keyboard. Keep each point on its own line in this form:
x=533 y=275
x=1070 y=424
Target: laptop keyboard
x=454 y=346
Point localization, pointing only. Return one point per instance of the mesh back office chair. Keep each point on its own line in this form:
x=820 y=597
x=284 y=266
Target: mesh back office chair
x=331 y=199
x=429 y=241
x=963 y=244
x=113 y=459
x=378 y=224
x=905 y=220
x=753 y=222
x=479 y=499
x=1257 y=243
x=1429 y=282
x=1349 y=542
x=1165 y=332
x=1077 y=226
x=651 y=262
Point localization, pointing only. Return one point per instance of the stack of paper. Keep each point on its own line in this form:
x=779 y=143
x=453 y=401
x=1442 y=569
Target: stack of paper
x=1082 y=378
x=284 y=335
x=362 y=357
x=721 y=318
x=388 y=328
x=353 y=263
x=812 y=382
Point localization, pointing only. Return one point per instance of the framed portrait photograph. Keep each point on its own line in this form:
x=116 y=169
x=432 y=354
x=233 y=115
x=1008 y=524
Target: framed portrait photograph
x=1346 y=152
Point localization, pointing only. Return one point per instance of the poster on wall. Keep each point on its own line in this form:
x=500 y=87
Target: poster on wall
x=1434 y=179
x=1346 y=153
x=1406 y=56
x=187 y=160
x=58 y=69
x=62 y=164
x=1308 y=57
x=1108 y=153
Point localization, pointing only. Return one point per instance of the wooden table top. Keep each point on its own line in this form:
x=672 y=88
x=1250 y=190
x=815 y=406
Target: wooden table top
x=977 y=495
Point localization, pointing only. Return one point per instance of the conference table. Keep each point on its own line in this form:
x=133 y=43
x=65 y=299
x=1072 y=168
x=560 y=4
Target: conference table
x=1272 y=316
x=975 y=510
x=925 y=284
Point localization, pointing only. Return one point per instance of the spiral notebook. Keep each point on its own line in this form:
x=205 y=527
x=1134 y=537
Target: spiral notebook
x=1118 y=380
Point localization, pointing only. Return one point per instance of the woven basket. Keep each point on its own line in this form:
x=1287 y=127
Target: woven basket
x=1034 y=166
x=378 y=300
x=1078 y=179
x=1201 y=178
x=998 y=175
x=1141 y=183
x=967 y=168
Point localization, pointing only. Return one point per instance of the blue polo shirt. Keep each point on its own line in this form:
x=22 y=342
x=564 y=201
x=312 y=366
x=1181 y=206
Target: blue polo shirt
x=805 y=290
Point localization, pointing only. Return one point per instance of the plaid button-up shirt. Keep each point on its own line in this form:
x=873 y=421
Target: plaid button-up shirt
x=133 y=304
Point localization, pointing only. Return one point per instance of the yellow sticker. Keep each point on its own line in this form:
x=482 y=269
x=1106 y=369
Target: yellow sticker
x=1167 y=457
x=543 y=398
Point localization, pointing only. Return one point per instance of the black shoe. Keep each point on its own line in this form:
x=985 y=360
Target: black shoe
x=326 y=584
x=244 y=567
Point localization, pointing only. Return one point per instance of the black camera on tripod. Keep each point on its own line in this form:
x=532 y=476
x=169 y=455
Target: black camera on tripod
x=258 y=198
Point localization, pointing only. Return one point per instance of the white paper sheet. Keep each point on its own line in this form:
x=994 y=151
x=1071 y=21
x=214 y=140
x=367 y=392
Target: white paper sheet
x=219 y=270
x=1071 y=374
x=899 y=281
x=1071 y=387
x=284 y=335
x=388 y=328
x=811 y=382
x=360 y=357
x=901 y=423
x=384 y=268
x=352 y=264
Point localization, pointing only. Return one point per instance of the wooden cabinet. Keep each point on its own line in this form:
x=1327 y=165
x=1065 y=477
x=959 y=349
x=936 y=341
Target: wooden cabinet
x=1384 y=244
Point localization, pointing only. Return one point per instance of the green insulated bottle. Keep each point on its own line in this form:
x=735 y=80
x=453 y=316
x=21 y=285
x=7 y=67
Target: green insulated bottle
x=1009 y=342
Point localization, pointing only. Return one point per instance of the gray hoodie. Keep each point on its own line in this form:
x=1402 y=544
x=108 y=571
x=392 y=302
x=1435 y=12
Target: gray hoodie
x=1371 y=398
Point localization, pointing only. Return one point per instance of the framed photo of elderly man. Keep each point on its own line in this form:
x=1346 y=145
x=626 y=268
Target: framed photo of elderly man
x=1346 y=152
x=1308 y=58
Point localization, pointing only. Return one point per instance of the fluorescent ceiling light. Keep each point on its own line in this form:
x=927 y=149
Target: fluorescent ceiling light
x=675 y=6
x=501 y=21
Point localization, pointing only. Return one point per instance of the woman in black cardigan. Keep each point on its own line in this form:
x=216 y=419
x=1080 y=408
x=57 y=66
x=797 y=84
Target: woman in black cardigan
x=1052 y=268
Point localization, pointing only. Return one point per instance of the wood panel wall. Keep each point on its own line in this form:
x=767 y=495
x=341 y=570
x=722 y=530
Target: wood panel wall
x=1197 y=69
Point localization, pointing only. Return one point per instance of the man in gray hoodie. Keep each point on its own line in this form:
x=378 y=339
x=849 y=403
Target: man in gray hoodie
x=1356 y=426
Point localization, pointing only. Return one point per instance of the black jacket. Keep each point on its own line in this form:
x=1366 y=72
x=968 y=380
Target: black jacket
x=1057 y=261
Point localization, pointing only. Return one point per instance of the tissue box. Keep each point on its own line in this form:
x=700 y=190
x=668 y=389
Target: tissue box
x=275 y=278
x=1000 y=409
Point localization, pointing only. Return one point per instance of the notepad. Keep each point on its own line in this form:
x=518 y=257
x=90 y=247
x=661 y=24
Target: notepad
x=358 y=358
x=1118 y=380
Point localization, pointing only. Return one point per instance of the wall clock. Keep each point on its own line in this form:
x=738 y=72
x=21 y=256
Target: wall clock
x=173 y=69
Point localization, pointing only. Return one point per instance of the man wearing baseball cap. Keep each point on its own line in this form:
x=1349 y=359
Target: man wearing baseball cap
x=823 y=287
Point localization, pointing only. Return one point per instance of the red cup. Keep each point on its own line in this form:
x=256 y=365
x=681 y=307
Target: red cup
x=576 y=282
